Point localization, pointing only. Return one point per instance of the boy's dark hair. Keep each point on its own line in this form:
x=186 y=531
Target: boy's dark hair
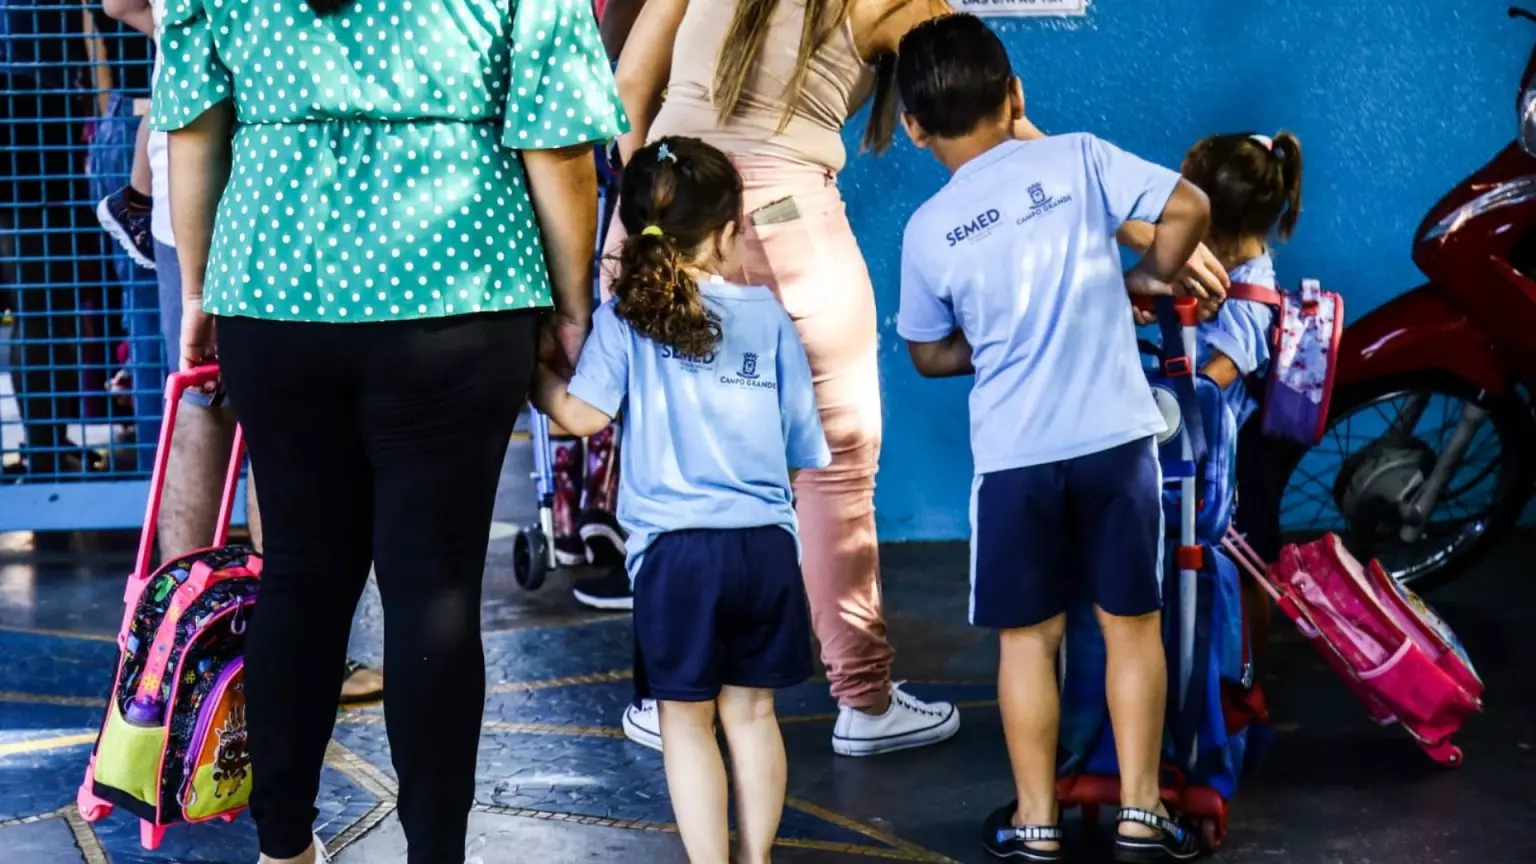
x=953 y=74
x=1254 y=183
x=327 y=7
x=676 y=194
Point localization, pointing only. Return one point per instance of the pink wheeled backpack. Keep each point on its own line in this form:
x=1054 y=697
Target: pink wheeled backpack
x=173 y=745
x=1304 y=344
x=1385 y=644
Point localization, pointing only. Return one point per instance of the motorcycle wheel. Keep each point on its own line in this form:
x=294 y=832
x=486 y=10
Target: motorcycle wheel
x=1347 y=483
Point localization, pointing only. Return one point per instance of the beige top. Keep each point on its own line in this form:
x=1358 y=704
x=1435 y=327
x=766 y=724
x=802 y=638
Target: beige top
x=837 y=84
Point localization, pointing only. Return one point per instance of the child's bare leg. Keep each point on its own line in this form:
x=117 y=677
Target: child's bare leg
x=696 y=779
x=1031 y=709
x=139 y=179
x=1136 y=684
x=758 y=768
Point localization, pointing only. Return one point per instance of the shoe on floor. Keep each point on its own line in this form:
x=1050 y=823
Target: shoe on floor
x=1172 y=842
x=603 y=537
x=1003 y=839
x=909 y=722
x=609 y=592
x=642 y=724
x=129 y=226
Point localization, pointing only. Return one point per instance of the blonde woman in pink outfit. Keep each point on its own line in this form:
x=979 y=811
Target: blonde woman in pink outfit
x=772 y=83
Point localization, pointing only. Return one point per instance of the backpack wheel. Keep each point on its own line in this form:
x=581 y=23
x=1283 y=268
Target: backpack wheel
x=530 y=558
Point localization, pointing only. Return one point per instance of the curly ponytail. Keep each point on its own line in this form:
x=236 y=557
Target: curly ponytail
x=658 y=297
x=678 y=195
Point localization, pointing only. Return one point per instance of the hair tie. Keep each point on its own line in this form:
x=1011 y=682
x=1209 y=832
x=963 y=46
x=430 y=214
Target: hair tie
x=665 y=154
x=652 y=231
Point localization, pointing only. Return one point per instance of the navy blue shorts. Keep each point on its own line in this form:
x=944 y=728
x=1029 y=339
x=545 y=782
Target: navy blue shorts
x=720 y=607
x=1042 y=532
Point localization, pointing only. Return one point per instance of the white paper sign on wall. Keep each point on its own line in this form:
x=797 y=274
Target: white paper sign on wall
x=1021 y=8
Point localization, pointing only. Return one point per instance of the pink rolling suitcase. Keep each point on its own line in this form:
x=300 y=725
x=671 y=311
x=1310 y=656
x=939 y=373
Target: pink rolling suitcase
x=1385 y=644
x=172 y=748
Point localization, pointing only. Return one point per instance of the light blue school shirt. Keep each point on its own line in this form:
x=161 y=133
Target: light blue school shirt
x=710 y=442
x=1018 y=250
x=1241 y=331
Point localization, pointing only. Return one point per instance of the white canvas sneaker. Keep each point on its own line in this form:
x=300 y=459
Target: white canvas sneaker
x=642 y=725
x=909 y=722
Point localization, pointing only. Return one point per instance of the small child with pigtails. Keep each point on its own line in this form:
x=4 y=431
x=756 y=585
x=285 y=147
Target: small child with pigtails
x=719 y=410
x=1254 y=186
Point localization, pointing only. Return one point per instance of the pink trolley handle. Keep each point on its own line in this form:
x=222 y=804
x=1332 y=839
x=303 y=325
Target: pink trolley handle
x=175 y=387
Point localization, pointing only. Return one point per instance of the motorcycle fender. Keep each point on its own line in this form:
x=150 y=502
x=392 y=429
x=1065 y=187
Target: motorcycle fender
x=1419 y=331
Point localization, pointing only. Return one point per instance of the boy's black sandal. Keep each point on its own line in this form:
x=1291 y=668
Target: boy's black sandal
x=1172 y=842
x=1003 y=839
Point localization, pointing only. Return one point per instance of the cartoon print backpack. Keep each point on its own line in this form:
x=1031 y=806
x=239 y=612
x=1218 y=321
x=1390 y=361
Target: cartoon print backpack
x=173 y=745
x=1304 y=346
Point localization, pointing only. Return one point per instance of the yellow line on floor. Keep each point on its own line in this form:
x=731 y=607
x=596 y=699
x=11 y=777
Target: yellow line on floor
x=42 y=745
x=911 y=851
x=61 y=634
x=362 y=772
x=553 y=729
x=85 y=836
x=892 y=854
x=567 y=681
x=45 y=699
x=573 y=731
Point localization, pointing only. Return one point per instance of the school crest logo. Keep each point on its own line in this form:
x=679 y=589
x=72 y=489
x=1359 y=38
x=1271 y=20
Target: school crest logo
x=749 y=365
x=1041 y=202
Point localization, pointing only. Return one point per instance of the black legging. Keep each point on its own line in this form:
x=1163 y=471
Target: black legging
x=376 y=444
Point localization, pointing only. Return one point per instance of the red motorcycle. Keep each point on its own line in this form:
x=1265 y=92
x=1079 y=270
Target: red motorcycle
x=1430 y=455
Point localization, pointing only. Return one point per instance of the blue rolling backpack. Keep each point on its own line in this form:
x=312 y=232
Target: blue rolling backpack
x=1217 y=725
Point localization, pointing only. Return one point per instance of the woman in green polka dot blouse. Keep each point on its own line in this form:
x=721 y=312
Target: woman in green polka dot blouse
x=373 y=200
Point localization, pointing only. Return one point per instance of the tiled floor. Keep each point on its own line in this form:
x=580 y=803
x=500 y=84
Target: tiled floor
x=558 y=783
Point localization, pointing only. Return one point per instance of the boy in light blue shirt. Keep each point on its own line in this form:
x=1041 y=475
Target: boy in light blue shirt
x=1012 y=272
x=718 y=409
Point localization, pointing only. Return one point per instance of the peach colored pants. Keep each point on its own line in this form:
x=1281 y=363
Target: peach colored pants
x=814 y=266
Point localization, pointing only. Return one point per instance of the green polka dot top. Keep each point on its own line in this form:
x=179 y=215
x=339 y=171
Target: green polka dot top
x=375 y=170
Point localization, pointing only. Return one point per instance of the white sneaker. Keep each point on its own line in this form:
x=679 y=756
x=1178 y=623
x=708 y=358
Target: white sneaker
x=909 y=722
x=642 y=725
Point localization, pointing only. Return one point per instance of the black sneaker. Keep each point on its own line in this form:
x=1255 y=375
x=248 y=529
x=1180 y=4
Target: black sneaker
x=603 y=537
x=128 y=225
x=1172 y=842
x=609 y=592
x=1003 y=839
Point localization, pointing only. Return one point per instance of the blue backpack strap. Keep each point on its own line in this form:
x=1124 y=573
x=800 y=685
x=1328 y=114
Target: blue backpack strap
x=1179 y=368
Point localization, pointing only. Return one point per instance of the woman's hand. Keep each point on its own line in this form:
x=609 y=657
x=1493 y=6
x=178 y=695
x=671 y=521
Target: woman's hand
x=560 y=341
x=199 y=345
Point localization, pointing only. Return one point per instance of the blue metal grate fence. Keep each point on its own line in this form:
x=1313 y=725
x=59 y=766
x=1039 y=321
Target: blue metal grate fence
x=81 y=350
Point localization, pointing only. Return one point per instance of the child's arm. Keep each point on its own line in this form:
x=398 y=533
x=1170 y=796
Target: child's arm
x=805 y=442
x=597 y=391
x=946 y=358
x=1237 y=341
x=552 y=395
x=926 y=318
x=1221 y=369
x=1177 y=235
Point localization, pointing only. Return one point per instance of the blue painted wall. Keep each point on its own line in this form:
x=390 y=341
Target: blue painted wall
x=1394 y=101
